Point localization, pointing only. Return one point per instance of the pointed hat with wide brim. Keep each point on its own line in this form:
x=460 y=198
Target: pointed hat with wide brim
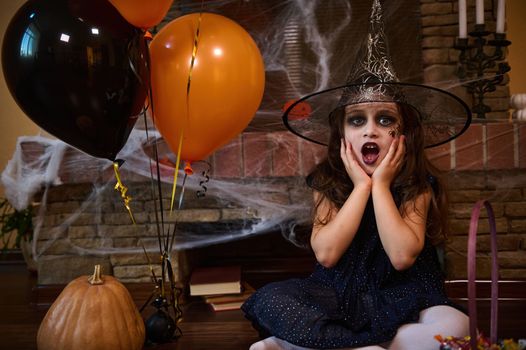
x=443 y=115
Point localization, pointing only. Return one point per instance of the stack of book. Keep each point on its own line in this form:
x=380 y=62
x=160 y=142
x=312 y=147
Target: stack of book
x=220 y=286
x=225 y=302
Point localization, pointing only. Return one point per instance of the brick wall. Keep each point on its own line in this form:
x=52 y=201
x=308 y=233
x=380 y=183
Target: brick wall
x=488 y=161
x=276 y=160
x=484 y=146
x=506 y=191
x=259 y=154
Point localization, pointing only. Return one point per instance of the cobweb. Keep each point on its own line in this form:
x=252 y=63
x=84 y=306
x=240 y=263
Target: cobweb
x=307 y=46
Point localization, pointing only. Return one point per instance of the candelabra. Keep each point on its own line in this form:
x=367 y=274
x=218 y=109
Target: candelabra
x=474 y=65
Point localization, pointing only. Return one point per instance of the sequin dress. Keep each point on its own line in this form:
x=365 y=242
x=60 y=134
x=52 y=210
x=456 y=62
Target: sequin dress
x=360 y=301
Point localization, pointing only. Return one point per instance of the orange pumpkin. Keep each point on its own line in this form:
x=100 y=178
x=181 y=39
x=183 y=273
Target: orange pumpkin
x=92 y=313
x=300 y=111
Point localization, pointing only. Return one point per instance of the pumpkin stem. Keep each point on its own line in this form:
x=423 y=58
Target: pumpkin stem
x=96 y=278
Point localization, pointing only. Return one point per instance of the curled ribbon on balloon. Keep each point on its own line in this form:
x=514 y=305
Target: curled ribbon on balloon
x=188 y=169
x=202 y=192
x=119 y=186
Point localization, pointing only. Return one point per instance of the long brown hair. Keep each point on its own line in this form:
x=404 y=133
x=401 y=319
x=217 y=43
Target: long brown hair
x=416 y=176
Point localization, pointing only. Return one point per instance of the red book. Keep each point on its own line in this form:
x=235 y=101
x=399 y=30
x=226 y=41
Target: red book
x=215 y=280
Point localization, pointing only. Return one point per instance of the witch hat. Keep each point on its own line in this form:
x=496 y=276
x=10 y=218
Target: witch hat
x=373 y=79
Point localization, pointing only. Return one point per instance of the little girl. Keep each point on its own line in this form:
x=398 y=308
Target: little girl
x=379 y=210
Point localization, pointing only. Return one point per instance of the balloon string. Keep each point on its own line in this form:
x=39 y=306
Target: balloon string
x=176 y=172
x=192 y=63
x=181 y=195
x=160 y=230
x=154 y=277
x=180 y=206
x=158 y=210
x=123 y=190
x=174 y=297
x=163 y=272
x=152 y=185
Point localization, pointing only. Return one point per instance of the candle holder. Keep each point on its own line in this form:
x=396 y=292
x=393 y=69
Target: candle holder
x=474 y=65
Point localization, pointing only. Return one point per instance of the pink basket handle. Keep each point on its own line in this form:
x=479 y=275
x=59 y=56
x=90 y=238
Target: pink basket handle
x=472 y=272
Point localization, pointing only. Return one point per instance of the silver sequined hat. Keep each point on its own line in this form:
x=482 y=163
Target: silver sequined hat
x=443 y=115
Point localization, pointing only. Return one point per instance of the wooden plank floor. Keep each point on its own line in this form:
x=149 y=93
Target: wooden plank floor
x=264 y=258
x=202 y=328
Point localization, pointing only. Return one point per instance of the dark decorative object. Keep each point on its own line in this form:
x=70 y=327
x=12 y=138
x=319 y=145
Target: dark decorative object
x=19 y=221
x=160 y=327
x=474 y=63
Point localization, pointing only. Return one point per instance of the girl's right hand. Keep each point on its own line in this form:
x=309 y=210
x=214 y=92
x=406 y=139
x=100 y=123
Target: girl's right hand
x=354 y=170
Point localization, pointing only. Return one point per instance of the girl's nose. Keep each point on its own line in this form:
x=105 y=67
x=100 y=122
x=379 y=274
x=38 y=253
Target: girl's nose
x=370 y=130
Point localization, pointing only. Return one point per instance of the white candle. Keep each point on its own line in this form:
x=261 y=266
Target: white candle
x=462 y=20
x=479 y=8
x=501 y=14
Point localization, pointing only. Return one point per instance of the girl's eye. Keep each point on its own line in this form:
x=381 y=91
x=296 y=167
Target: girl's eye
x=355 y=121
x=386 y=120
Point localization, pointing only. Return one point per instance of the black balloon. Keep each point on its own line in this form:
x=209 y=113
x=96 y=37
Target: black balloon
x=78 y=69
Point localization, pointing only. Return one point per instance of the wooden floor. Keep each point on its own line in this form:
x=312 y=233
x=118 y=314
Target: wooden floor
x=202 y=328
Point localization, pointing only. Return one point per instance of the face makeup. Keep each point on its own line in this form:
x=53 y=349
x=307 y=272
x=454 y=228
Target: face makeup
x=370 y=129
x=395 y=132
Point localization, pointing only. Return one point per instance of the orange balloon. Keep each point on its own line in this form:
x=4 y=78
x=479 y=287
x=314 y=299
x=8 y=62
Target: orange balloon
x=226 y=86
x=142 y=13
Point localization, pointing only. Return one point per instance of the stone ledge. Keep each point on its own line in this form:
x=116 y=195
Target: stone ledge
x=60 y=269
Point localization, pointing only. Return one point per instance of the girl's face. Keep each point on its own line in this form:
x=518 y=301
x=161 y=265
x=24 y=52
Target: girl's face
x=370 y=129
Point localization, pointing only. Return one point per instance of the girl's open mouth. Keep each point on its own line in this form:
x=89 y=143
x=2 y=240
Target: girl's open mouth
x=370 y=153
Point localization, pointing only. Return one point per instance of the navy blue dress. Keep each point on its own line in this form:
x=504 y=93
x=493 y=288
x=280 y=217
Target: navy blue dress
x=361 y=301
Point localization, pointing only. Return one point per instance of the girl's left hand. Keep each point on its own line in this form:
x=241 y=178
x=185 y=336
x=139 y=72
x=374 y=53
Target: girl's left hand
x=391 y=164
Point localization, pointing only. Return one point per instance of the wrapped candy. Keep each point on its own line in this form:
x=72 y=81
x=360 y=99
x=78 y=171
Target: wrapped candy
x=483 y=343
